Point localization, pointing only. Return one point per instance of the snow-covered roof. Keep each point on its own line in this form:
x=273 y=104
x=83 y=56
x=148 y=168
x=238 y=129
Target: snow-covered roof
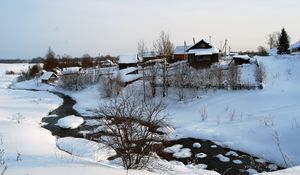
x=204 y=51
x=47 y=75
x=244 y=57
x=181 y=49
x=199 y=52
x=296 y=45
x=69 y=70
x=128 y=58
x=150 y=54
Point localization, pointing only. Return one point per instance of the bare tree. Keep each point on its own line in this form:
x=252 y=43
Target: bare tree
x=272 y=40
x=181 y=79
x=163 y=46
x=132 y=127
x=141 y=51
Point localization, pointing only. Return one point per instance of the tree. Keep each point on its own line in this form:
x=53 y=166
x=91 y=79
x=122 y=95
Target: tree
x=34 y=70
x=284 y=43
x=86 y=61
x=132 y=129
x=272 y=40
x=262 y=51
x=163 y=46
x=51 y=61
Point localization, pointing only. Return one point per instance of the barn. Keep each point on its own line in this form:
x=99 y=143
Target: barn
x=48 y=77
x=203 y=54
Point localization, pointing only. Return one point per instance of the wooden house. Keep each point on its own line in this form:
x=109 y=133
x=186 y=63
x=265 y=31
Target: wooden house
x=203 y=54
x=49 y=77
x=128 y=60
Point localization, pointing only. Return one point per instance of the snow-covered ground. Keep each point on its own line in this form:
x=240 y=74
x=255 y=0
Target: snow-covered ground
x=264 y=123
x=30 y=149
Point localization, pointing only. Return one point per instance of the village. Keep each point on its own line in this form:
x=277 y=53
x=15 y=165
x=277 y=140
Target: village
x=154 y=87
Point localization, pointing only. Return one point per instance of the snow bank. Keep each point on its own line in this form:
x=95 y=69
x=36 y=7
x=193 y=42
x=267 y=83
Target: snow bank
x=85 y=148
x=70 y=122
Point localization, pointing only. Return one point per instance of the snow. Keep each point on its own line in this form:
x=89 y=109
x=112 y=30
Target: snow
x=183 y=153
x=70 y=122
x=251 y=171
x=173 y=149
x=36 y=145
x=289 y=171
x=128 y=58
x=243 y=120
x=199 y=52
x=223 y=158
x=232 y=153
x=70 y=70
x=196 y=145
x=237 y=161
x=85 y=148
x=244 y=57
x=201 y=155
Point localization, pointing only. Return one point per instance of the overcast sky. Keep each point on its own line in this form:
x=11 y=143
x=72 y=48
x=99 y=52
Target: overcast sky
x=75 y=27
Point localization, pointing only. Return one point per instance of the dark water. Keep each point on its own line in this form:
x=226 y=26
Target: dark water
x=212 y=162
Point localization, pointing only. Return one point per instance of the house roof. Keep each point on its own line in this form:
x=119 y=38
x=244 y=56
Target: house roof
x=181 y=49
x=212 y=49
x=128 y=58
x=296 y=45
x=47 y=75
x=70 y=70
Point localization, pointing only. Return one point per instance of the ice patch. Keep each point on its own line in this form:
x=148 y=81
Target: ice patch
x=213 y=146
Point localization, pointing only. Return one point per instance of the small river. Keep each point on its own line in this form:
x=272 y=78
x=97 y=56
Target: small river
x=237 y=164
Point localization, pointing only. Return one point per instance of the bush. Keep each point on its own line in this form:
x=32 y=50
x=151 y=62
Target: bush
x=76 y=81
x=111 y=85
x=260 y=73
x=10 y=72
x=262 y=51
x=132 y=129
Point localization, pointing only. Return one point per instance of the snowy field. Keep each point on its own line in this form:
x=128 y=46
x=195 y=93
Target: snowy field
x=264 y=123
x=31 y=149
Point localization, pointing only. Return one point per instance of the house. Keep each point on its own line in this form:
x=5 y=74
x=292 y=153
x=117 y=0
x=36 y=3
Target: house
x=203 y=54
x=147 y=56
x=48 y=77
x=70 y=70
x=128 y=60
x=180 y=53
x=241 y=59
x=295 y=47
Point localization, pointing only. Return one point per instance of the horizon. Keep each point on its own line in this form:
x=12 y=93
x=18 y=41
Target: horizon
x=101 y=27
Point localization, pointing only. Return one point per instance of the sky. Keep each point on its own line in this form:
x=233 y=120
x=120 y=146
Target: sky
x=100 y=27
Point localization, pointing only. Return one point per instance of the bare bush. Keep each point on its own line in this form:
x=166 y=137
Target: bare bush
x=181 y=79
x=132 y=127
x=234 y=76
x=260 y=73
x=111 y=85
x=285 y=157
x=76 y=81
x=3 y=164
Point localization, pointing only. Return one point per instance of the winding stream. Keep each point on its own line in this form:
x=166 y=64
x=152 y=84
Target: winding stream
x=235 y=162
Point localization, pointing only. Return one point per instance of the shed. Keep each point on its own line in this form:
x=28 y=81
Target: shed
x=48 y=77
x=203 y=54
